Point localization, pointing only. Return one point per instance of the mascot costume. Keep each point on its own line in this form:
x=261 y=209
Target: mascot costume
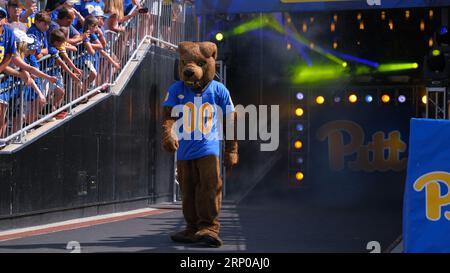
x=198 y=164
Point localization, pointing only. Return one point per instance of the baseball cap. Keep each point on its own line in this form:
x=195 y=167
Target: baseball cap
x=98 y=13
x=3 y=13
x=22 y=36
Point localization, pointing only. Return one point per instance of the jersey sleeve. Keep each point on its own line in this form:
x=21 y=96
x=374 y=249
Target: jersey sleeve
x=225 y=100
x=171 y=96
x=11 y=48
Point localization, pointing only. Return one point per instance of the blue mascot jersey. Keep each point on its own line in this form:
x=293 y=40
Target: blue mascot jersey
x=198 y=123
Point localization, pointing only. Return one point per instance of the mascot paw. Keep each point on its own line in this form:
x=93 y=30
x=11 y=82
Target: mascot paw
x=170 y=145
x=208 y=238
x=231 y=159
x=185 y=236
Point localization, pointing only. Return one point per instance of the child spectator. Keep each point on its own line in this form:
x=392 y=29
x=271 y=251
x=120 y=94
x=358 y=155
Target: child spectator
x=56 y=40
x=39 y=32
x=66 y=47
x=96 y=43
x=23 y=61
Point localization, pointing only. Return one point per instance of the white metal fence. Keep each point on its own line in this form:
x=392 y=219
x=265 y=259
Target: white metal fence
x=22 y=109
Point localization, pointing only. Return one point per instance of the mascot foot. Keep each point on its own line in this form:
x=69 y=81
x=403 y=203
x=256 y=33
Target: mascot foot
x=208 y=238
x=185 y=236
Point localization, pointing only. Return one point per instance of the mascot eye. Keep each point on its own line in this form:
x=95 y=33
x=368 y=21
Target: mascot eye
x=201 y=63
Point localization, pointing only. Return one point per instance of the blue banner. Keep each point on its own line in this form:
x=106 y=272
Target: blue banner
x=253 y=6
x=426 y=211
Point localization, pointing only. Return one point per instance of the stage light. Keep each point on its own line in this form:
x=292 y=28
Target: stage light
x=383 y=15
x=299 y=127
x=401 y=99
x=299 y=160
x=335 y=18
x=335 y=45
x=298 y=144
x=436 y=52
x=430 y=42
x=361 y=25
x=299 y=176
x=397 y=67
x=320 y=100
x=352 y=98
x=337 y=99
x=332 y=27
x=443 y=37
x=344 y=64
x=219 y=36
x=369 y=98
x=299 y=96
x=289 y=46
x=305 y=27
x=422 y=25
x=431 y=13
x=299 y=112
x=302 y=74
x=359 y=16
x=424 y=99
x=385 y=98
x=391 y=24
x=407 y=14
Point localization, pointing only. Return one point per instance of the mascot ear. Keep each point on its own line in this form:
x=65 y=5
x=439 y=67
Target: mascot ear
x=208 y=49
x=184 y=47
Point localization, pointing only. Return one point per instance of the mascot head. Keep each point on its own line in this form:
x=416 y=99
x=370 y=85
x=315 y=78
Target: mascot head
x=197 y=65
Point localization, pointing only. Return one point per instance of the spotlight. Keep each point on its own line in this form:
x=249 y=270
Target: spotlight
x=369 y=98
x=298 y=144
x=401 y=99
x=299 y=176
x=352 y=98
x=337 y=99
x=320 y=100
x=436 y=65
x=436 y=52
x=219 y=36
x=299 y=112
x=299 y=127
x=299 y=96
x=443 y=37
x=299 y=160
x=424 y=99
x=385 y=98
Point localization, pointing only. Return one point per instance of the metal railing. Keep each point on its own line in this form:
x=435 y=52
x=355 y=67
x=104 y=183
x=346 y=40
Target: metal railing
x=21 y=107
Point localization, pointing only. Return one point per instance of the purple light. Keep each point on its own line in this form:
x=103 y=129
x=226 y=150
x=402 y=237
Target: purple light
x=299 y=96
x=401 y=99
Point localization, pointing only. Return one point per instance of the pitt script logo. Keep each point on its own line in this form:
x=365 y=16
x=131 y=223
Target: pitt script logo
x=370 y=157
x=434 y=184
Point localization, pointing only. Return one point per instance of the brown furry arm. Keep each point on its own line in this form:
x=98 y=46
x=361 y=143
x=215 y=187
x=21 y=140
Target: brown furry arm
x=169 y=138
x=231 y=156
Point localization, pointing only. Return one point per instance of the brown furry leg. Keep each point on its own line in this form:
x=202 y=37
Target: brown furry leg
x=188 y=179
x=208 y=200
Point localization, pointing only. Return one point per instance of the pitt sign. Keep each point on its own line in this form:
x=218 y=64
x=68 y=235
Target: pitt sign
x=437 y=194
x=370 y=157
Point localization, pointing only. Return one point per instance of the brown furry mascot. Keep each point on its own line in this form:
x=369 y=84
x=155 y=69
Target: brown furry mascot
x=201 y=104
